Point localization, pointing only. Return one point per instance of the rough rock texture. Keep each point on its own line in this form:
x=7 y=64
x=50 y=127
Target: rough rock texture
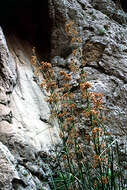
x=24 y=119
x=25 y=130
x=102 y=27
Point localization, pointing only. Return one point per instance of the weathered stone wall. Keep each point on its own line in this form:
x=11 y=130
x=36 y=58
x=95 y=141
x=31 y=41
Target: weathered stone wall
x=25 y=130
x=102 y=27
x=24 y=114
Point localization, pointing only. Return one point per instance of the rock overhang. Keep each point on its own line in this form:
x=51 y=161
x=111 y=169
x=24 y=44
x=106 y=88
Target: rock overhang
x=29 y=20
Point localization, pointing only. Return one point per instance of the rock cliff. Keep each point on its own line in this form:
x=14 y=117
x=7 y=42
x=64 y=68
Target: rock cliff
x=25 y=131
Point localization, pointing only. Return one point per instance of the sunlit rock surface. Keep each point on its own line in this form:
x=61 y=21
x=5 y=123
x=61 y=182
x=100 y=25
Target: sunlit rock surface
x=25 y=127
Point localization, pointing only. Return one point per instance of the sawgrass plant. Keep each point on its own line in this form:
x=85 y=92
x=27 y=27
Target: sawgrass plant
x=88 y=157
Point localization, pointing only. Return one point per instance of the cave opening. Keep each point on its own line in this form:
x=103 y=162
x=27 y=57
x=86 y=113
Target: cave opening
x=29 y=19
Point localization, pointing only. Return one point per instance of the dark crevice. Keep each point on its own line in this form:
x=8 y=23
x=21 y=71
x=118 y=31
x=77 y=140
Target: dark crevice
x=45 y=120
x=17 y=182
x=84 y=7
x=102 y=70
x=29 y=20
x=38 y=174
x=1 y=69
x=123 y=4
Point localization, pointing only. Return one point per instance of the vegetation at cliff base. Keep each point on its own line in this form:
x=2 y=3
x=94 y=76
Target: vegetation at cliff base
x=88 y=157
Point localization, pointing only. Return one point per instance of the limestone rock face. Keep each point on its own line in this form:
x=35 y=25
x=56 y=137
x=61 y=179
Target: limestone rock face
x=25 y=130
x=102 y=26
